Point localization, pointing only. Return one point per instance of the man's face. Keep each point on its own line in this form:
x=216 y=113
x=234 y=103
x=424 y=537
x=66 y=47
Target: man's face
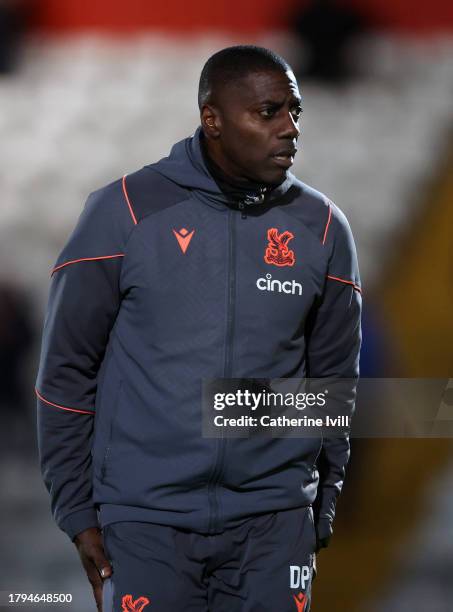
x=257 y=120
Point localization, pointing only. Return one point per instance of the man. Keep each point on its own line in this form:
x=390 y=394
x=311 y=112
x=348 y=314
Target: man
x=161 y=286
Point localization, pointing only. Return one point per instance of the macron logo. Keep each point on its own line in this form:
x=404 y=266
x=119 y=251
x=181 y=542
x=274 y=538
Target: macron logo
x=269 y=284
x=183 y=237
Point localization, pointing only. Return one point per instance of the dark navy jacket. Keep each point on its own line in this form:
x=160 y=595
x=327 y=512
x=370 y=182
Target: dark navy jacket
x=159 y=287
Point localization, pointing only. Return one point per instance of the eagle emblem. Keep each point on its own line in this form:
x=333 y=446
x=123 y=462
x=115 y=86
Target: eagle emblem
x=277 y=251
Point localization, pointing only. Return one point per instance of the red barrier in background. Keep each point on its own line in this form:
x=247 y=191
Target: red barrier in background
x=235 y=15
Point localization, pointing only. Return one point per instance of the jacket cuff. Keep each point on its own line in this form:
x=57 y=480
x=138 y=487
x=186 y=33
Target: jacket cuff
x=78 y=521
x=323 y=529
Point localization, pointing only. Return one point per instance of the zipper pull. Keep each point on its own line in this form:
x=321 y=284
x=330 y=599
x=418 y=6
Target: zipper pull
x=242 y=209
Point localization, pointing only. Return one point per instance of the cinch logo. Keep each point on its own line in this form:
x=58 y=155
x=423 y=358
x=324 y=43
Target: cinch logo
x=133 y=606
x=267 y=284
x=277 y=252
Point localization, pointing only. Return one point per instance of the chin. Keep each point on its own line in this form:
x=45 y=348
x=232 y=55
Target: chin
x=268 y=175
x=276 y=176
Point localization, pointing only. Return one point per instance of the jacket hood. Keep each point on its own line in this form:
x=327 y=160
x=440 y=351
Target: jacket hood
x=186 y=167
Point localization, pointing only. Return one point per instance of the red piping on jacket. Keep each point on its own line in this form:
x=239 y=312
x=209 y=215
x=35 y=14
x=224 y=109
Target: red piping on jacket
x=62 y=407
x=348 y=282
x=128 y=201
x=327 y=224
x=73 y=261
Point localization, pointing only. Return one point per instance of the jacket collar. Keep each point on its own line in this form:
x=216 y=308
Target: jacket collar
x=260 y=197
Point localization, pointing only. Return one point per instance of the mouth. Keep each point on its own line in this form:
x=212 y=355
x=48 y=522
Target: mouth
x=284 y=158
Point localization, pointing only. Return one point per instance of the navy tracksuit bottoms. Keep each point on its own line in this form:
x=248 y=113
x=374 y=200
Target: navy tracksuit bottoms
x=265 y=564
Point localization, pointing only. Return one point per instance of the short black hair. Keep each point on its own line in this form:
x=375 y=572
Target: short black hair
x=233 y=63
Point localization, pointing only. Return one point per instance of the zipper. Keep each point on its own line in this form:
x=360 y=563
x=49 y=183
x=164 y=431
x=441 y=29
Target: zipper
x=231 y=292
x=221 y=442
x=251 y=199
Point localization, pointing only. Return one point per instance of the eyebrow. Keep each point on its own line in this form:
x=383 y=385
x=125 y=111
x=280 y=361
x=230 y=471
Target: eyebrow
x=278 y=103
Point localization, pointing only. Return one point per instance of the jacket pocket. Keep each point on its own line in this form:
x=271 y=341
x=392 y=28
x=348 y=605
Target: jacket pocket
x=111 y=435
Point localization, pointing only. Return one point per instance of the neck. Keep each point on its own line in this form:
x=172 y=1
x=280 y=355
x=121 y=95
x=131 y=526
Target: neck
x=226 y=180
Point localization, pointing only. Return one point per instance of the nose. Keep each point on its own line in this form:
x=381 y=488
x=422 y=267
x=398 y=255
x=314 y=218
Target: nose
x=290 y=128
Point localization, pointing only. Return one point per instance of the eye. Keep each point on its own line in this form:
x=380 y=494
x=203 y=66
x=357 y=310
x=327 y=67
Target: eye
x=267 y=113
x=297 y=111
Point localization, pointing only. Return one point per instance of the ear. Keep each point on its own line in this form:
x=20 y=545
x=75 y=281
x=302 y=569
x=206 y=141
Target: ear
x=211 y=121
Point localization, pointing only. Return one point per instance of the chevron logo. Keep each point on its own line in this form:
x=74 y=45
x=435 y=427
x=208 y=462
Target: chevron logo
x=183 y=237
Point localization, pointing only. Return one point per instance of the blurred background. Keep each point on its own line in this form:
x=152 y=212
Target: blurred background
x=91 y=90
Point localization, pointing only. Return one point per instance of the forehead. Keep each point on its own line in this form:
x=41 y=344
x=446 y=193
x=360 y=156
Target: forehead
x=258 y=87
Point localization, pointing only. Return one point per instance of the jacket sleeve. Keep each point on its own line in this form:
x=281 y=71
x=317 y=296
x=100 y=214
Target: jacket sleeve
x=83 y=303
x=334 y=340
